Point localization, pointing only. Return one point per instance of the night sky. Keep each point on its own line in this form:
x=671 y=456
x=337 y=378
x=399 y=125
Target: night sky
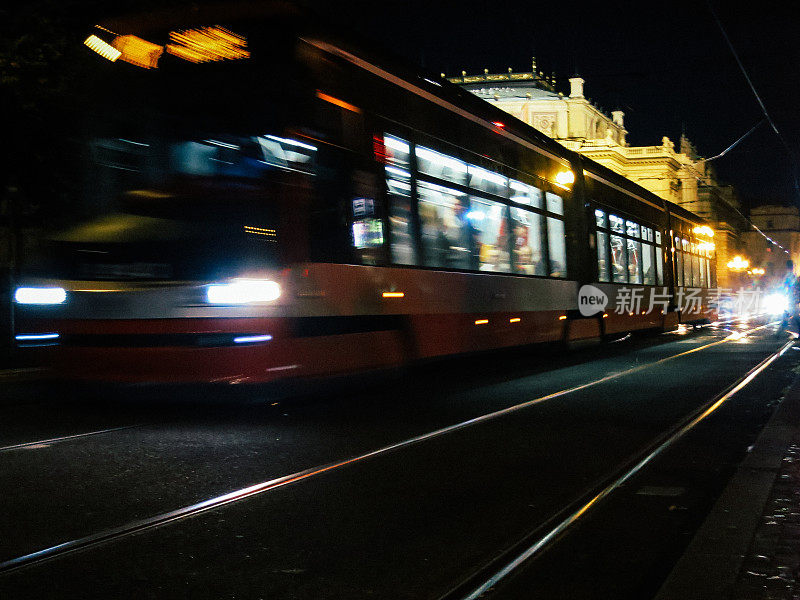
x=666 y=64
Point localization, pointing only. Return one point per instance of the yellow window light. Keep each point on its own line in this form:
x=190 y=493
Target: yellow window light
x=137 y=51
x=482 y=322
x=207 y=44
x=565 y=178
x=393 y=294
x=514 y=320
x=102 y=48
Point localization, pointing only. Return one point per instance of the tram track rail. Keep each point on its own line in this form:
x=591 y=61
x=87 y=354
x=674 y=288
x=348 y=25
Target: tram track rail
x=137 y=526
x=46 y=443
x=488 y=577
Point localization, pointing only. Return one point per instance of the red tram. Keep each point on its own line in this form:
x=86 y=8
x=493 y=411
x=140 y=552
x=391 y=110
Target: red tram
x=274 y=202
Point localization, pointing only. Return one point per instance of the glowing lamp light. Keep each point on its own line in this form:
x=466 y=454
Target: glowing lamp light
x=243 y=291
x=40 y=295
x=498 y=124
x=35 y=337
x=104 y=49
x=565 y=178
x=137 y=51
x=393 y=294
x=704 y=230
x=758 y=271
x=738 y=264
x=207 y=44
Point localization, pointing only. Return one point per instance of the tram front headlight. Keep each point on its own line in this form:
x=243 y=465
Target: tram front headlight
x=776 y=304
x=243 y=291
x=40 y=295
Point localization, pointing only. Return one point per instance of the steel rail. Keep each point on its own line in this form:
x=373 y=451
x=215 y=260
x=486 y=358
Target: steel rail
x=147 y=523
x=64 y=438
x=477 y=591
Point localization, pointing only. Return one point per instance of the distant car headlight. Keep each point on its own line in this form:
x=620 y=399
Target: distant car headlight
x=243 y=291
x=40 y=295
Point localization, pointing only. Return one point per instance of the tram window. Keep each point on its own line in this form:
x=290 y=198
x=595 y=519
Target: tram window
x=709 y=274
x=489 y=218
x=555 y=203
x=703 y=272
x=617 y=224
x=679 y=266
x=287 y=153
x=556 y=245
x=401 y=241
x=527 y=228
x=441 y=166
x=440 y=229
x=649 y=276
x=632 y=229
x=602 y=256
x=618 y=269
x=634 y=261
x=696 y=270
x=659 y=265
x=397 y=152
x=687 y=269
x=658 y=237
x=600 y=219
x=522 y=193
x=486 y=181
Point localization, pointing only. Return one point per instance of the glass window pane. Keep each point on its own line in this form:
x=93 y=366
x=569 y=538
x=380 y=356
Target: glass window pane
x=448 y=237
x=695 y=271
x=401 y=242
x=440 y=165
x=649 y=274
x=658 y=237
x=634 y=261
x=619 y=269
x=602 y=256
x=632 y=229
x=555 y=204
x=659 y=265
x=522 y=193
x=687 y=269
x=600 y=218
x=617 y=224
x=703 y=271
x=528 y=250
x=489 y=220
x=679 y=266
x=556 y=245
x=487 y=181
x=397 y=152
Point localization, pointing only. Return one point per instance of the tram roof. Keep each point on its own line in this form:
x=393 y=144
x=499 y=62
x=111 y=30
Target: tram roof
x=307 y=22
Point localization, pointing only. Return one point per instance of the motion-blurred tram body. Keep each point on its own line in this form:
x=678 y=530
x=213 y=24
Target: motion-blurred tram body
x=305 y=209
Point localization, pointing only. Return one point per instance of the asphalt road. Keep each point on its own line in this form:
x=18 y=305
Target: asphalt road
x=420 y=485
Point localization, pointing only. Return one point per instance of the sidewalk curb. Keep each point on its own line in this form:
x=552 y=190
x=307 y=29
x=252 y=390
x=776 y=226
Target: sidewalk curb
x=710 y=566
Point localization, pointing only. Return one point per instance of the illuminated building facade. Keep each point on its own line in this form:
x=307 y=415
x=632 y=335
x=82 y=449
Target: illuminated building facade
x=677 y=175
x=780 y=241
